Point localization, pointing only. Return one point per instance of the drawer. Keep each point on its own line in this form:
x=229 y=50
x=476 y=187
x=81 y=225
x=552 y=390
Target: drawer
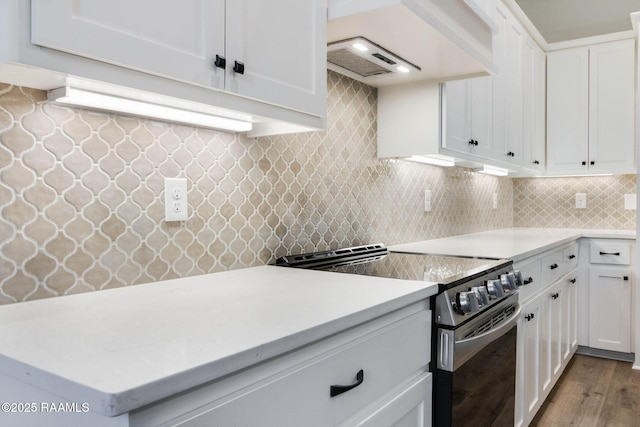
x=610 y=252
x=553 y=266
x=532 y=277
x=570 y=257
x=300 y=395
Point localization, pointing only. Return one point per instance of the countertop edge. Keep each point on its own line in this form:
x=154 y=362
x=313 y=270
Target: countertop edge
x=114 y=403
x=268 y=351
x=569 y=236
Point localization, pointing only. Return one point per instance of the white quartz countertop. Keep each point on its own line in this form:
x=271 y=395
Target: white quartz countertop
x=507 y=243
x=121 y=349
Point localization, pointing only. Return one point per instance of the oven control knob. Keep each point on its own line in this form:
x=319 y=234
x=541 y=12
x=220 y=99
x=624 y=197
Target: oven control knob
x=494 y=287
x=508 y=281
x=466 y=302
x=481 y=295
x=519 y=279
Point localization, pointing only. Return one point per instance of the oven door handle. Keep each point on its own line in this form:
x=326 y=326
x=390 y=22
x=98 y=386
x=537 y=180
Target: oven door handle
x=467 y=348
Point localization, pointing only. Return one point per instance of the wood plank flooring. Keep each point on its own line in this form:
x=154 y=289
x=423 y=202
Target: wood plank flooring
x=593 y=392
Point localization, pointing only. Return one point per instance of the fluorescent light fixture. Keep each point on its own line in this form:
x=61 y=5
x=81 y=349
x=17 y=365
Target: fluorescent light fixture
x=435 y=160
x=492 y=170
x=403 y=69
x=101 y=101
x=360 y=47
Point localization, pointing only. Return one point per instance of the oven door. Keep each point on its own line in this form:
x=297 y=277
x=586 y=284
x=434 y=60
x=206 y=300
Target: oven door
x=476 y=375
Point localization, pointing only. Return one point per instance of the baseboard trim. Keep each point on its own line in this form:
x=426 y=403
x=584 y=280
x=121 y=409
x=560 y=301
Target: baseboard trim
x=606 y=354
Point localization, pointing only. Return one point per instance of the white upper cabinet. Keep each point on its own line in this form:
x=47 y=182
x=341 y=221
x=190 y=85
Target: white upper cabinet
x=467 y=116
x=507 y=88
x=173 y=39
x=268 y=54
x=590 y=109
x=534 y=98
x=263 y=61
x=277 y=42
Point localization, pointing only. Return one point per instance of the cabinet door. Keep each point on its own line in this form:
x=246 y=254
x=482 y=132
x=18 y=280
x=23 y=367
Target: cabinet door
x=284 y=58
x=533 y=97
x=173 y=39
x=507 y=90
x=610 y=309
x=611 y=107
x=567 y=111
x=468 y=116
x=513 y=113
x=555 y=296
x=572 y=316
x=457 y=116
x=528 y=397
x=481 y=115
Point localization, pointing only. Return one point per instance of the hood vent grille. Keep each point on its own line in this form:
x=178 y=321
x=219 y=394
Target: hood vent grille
x=361 y=59
x=346 y=59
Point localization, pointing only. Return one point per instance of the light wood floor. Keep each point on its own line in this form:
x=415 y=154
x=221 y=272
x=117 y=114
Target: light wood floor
x=593 y=392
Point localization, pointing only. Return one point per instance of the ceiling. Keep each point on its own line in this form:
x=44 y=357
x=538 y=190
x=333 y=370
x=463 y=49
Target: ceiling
x=562 y=20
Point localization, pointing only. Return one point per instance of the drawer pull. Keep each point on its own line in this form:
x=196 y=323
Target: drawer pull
x=528 y=281
x=610 y=253
x=572 y=280
x=572 y=256
x=530 y=317
x=339 y=389
x=553 y=266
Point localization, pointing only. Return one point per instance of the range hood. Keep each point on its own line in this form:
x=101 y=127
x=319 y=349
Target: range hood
x=386 y=42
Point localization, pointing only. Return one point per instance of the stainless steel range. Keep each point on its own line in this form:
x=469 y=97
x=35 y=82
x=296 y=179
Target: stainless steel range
x=475 y=312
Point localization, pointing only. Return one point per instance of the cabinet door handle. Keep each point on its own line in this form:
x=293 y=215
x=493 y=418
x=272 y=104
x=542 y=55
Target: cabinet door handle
x=593 y=163
x=553 y=266
x=536 y=162
x=473 y=142
x=529 y=317
x=610 y=253
x=238 y=67
x=511 y=154
x=572 y=256
x=584 y=163
x=339 y=389
x=220 y=62
x=528 y=281
x=573 y=280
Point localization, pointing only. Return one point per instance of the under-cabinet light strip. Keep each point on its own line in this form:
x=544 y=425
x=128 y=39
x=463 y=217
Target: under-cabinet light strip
x=100 y=101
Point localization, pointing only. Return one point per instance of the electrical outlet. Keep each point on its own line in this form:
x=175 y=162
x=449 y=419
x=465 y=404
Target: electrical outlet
x=495 y=201
x=427 y=200
x=581 y=200
x=630 y=202
x=175 y=199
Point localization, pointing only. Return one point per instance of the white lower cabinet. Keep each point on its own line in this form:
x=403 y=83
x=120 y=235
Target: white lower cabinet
x=609 y=314
x=528 y=362
x=381 y=374
x=547 y=330
x=610 y=309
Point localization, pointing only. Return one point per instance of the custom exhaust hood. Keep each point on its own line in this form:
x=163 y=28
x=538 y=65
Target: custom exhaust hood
x=386 y=42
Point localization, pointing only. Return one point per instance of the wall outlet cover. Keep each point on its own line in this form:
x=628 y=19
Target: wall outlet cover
x=427 y=200
x=630 y=202
x=581 y=200
x=175 y=199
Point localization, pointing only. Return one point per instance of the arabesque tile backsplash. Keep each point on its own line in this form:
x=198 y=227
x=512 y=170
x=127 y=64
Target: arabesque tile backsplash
x=81 y=195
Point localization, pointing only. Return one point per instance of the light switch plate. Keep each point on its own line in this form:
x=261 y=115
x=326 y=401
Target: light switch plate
x=175 y=199
x=581 y=200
